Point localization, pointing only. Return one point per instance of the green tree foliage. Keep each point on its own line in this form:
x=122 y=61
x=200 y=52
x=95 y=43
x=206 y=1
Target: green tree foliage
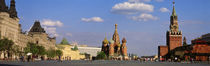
x=41 y=50
x=64 y=42
x=101 y=56
x=35 y=49
x=75 y=48
x=16 y=49
x=6 y=45
x=51 y=53
x=59 y=53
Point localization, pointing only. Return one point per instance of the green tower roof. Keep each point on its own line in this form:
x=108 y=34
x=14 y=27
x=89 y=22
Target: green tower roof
x=64 y=41
x=111 y=41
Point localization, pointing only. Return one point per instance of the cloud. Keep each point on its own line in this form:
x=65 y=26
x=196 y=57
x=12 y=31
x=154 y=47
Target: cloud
x=48 y=22
x=51 y=26
x=164 y=9
x=131 y=8
x=144 y=0
x=139 y=0
x=92 y=19
x=51 y=31
x=144 y=17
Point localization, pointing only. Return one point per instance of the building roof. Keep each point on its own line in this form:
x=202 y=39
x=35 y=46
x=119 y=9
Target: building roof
x=37 y=28
x=3 y=6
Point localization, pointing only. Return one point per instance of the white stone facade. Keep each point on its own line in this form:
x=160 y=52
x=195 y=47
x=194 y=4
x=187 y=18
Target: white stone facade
x=11 y=29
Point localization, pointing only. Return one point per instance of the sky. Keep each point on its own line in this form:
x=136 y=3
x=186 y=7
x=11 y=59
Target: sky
x=142 y=22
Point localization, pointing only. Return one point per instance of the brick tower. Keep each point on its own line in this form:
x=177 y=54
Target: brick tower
x=111 y=48
x=116 y=41
x=124 y=49
x=174 y=35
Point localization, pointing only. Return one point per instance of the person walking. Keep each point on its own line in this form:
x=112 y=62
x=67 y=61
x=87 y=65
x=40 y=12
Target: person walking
x=29 y=58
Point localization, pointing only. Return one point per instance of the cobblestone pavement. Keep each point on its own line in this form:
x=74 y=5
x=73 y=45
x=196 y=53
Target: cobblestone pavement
x=98 y=63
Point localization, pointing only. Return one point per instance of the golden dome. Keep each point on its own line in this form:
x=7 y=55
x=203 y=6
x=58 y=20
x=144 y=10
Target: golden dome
x=105 y=41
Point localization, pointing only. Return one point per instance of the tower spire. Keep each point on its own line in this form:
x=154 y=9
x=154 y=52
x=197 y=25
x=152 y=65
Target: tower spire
x=3 y=7
x=12 y=9
x=174 y=11
x=116 y=36
x=174 y=27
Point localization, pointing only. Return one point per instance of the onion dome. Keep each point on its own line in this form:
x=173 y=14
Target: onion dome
x=111 y=41
x=105 y=41
x=124 y=40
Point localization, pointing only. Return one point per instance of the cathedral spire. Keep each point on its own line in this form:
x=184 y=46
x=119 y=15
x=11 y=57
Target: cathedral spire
x=12 y=9
x=116 y=36
x=3 y=7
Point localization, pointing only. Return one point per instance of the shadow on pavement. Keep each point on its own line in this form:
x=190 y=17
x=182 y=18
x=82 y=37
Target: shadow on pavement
x=8 y=65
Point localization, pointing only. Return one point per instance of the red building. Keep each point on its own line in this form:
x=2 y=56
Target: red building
x=200 y=49
x=113 y=49
x=173 y=36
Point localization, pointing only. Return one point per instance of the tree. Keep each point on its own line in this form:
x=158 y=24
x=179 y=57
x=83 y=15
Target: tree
x=59 y=53
x=41 y=50
x=51 y=53
x=75 y=48
x=6 y=45
x=101 y=56
x=35 y=49
x=64 y=42
x=16 y=49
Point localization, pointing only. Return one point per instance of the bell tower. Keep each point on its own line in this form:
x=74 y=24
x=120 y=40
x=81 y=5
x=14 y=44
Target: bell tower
x=174 y=35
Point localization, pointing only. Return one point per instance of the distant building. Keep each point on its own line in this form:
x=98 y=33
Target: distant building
x=11 y=29
x=76 y=52
x=113 y=49
x=90 y=51
x=68 y=52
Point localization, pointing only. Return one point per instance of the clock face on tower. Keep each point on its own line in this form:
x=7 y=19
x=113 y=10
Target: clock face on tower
x=175 y=27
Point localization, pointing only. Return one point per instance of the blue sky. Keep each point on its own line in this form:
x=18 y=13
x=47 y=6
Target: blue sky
x=142 y=22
